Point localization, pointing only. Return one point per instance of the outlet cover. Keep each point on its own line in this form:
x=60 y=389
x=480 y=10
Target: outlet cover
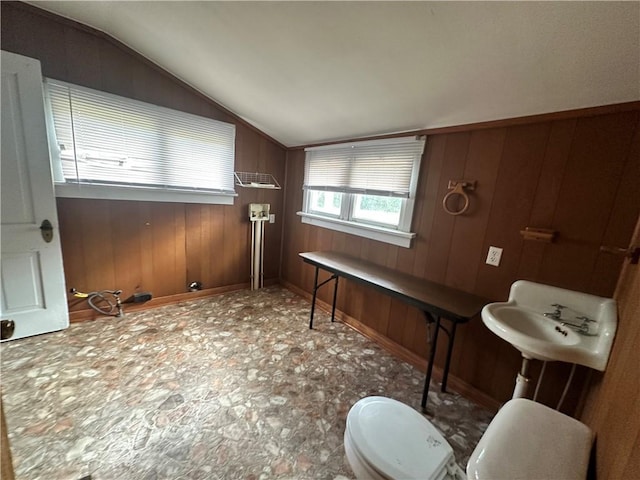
x=272 y=218
x=494 y=256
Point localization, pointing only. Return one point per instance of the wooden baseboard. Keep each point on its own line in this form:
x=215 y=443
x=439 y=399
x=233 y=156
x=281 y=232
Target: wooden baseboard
x=404 y=354
x=83 y=315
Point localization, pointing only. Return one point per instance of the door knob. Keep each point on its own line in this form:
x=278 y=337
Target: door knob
x=6 y=329
x=46 y=229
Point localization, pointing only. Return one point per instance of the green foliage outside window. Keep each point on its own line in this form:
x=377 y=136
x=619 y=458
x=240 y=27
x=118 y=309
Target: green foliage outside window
x=321 y=199
x=381 y=204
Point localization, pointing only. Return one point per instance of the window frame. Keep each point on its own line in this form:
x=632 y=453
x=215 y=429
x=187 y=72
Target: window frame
x=98 y=190
x=399 y=235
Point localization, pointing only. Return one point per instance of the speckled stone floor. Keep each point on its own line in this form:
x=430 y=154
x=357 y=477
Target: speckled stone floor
x=232 y=386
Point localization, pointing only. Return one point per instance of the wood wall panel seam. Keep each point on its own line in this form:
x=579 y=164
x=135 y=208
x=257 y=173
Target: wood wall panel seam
x=284 y=218
x=541 y=170
x=564 y=167
x=630 y=158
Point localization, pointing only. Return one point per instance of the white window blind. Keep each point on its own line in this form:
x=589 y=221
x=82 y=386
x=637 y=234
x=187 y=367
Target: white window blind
x=105 y=139
x=377 y=167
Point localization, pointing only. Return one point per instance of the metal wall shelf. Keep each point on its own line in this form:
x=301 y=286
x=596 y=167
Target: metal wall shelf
x=256 y=180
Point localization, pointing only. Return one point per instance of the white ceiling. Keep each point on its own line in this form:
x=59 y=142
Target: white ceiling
x=310 y=72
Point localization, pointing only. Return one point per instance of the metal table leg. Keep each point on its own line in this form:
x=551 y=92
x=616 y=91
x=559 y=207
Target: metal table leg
x=316 y=286
x=432 y=356
x=313 y=302
x=445 y=375
x=335 y=295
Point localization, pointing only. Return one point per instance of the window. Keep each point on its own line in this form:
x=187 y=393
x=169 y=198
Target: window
x=106 y=146
x=325 y=203
x=364 y=188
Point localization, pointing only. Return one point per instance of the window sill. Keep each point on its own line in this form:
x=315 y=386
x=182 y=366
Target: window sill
x=381 y=234
x=140 y=194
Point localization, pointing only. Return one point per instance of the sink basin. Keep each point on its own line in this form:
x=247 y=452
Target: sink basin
x=520 y=321
x=529 y=324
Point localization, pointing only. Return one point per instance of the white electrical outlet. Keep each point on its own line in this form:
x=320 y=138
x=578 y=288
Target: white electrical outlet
x=494 y=255
x=272 y=218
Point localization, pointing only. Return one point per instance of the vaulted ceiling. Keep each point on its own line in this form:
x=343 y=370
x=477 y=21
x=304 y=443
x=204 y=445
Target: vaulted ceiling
x=310 y=72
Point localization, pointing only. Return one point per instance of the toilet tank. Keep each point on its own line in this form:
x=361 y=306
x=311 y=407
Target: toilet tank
x=528 y=440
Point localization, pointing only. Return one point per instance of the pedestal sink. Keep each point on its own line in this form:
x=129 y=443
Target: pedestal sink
x=554 y=324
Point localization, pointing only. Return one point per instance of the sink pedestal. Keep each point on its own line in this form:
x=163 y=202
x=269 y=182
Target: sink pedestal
x=523 y=379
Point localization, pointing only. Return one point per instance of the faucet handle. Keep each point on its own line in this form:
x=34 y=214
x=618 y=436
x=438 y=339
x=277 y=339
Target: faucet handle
x=558 y=306
x=585 y=319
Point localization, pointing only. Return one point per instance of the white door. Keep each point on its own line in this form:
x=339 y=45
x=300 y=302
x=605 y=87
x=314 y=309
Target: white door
x=33 y=288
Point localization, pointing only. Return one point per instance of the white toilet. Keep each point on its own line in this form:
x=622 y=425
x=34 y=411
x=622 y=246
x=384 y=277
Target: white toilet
x=386 y=439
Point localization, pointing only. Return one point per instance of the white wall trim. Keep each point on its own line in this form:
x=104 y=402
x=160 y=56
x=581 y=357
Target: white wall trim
x=386 y=235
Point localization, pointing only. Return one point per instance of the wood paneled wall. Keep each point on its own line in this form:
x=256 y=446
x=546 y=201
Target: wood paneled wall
x=577 y=175
x=612 y=408
x=147 y=246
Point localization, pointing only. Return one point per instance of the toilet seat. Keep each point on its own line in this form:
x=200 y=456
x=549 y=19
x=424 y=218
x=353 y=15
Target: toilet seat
x=374 y=425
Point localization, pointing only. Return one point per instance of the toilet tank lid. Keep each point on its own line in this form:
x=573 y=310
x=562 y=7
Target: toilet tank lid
x=396 y=440
x=530 y=440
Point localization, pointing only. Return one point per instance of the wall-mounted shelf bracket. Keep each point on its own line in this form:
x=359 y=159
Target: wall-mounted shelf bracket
x=465 y=184
x=256 y=180
x=538 y=234
x=632 y=252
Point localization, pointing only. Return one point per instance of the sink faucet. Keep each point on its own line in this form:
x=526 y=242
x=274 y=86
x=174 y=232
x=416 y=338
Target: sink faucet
x=557 y=314
x=582 y=328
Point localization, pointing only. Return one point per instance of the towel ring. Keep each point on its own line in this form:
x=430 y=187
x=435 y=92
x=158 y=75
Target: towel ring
x=457 y=190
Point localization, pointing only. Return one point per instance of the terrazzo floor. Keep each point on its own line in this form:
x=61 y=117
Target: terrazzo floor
x=231 y=386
